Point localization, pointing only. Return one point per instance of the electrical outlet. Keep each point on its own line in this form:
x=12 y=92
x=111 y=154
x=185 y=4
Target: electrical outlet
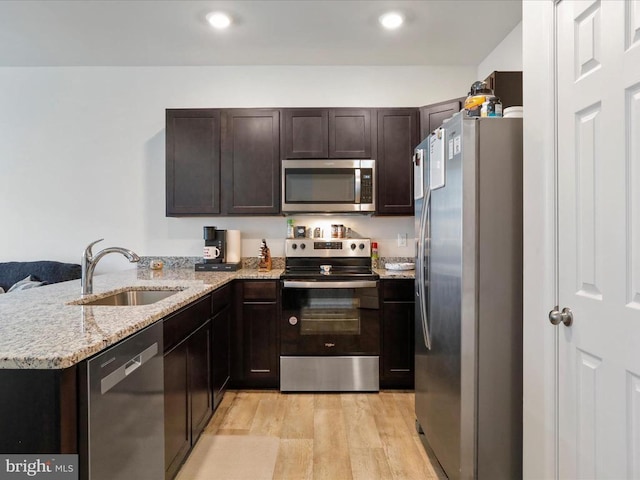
x=402 y=239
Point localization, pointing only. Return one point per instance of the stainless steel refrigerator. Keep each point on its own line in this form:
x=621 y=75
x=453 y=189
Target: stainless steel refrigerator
x=468 y=385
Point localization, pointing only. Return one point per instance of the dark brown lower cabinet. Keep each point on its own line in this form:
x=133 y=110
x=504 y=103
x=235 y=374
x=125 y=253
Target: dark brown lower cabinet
x=398 y=310
x=255 y=348
x=199 y=374
x=220 y=349
x=38 y=411
x=177 y=438
x=188 y=402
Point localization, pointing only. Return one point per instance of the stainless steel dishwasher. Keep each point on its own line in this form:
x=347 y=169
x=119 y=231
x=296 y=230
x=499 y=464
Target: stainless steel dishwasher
x=124 y=414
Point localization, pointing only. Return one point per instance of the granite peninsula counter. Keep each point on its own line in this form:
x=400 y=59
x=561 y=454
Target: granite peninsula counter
x=39 y=329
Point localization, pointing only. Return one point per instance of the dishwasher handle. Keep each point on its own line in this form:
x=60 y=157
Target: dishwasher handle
x=118 y=375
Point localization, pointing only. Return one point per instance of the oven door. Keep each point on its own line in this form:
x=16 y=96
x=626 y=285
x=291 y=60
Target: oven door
x=330 y=318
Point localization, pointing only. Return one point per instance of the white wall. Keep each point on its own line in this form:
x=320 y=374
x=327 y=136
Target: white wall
x=507 y=56
x=82 y=150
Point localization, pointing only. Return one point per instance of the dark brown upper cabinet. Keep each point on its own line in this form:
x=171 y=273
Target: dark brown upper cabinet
x=349 y=133
x=326 y=133
x=507 y=86
x=432 y=116
x=192 y=162
x=397 y=137
x=251 y=161
x=305 y=133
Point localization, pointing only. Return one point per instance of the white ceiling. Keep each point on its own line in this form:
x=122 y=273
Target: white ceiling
x=265 y=32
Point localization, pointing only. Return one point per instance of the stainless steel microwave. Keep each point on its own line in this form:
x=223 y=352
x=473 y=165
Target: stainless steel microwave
x=326 y=186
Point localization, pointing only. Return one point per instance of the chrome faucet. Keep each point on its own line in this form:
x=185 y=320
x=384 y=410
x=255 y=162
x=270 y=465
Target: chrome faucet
x=89 y=262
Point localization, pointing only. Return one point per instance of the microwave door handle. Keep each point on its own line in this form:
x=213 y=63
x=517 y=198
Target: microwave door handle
x=358 y=185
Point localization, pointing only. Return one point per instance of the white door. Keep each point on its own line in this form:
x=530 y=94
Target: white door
x=598 y=148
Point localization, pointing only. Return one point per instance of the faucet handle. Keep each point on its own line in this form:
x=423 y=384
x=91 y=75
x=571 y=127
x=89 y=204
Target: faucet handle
x=87 y=251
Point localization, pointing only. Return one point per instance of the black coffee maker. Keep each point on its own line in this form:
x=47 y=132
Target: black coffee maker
x=214 y=245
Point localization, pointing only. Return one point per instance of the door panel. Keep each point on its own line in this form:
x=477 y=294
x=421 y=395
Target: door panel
x=598 y=95
x=632 y=100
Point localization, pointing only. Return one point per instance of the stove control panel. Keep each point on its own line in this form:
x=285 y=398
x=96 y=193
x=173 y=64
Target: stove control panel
x=313 y=247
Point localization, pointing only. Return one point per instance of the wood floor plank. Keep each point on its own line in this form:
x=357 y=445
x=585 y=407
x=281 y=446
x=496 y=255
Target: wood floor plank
x=432 y=464
x=269 y=417
x=406 y=407
x=241 y=412
x=405 y=460
x=295 y=460
x=298 y=420
x=370 y=464
x=388 y=418
x=345 y=436
x=327 y=401
x=331 y=458
x=362 y=431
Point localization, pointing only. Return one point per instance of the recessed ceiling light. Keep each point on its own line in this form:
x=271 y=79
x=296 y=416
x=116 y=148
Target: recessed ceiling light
x=219 y=20
x=391 y=20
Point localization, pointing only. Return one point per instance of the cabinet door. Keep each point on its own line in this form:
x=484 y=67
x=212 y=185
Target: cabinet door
x=220 y=353
x=192 y=162
x=349 y=133
x=177 y=435
x=251 y=161
x=507 y=86
x=397 y=345
x=260 y=344
x=432 y=116
x=306 y=133
x=397 y=137
x=200 y=379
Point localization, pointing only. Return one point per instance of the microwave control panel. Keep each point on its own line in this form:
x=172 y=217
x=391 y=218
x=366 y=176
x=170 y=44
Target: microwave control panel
x=366 y=186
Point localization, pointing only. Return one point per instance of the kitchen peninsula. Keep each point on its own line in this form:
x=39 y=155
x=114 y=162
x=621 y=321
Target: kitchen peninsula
x=47 y=339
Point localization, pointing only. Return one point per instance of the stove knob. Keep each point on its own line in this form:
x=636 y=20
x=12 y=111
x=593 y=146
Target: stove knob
x=303 y=246
x=362 y=246
x=353 y=246
x=294 y=246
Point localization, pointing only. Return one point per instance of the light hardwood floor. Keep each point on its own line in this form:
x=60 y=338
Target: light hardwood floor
x=330 y=436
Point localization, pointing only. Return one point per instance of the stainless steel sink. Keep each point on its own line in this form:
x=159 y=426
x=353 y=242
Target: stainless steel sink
x=131 y=297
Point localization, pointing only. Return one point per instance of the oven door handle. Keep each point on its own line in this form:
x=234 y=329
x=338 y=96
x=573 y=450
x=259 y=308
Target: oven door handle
x=346 y=284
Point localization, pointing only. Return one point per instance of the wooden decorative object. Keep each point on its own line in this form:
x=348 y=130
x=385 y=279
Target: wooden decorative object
x=264 y=264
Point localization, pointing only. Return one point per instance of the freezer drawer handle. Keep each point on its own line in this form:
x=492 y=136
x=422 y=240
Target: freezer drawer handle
x=118 y=375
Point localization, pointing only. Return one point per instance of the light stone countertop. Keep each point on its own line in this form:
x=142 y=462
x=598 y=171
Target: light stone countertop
x=391 y=274
x=40 y=330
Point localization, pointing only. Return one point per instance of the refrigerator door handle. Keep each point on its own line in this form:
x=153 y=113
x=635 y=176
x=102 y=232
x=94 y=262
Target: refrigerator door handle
x=422 y=298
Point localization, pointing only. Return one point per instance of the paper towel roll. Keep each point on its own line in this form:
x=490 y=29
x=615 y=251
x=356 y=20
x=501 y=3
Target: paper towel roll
x=234 y=246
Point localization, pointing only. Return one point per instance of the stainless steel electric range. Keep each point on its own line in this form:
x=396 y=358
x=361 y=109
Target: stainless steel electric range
x=330 y=325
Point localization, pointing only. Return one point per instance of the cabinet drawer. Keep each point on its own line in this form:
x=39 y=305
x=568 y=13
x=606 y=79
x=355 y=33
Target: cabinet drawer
x=398 y=290
x=260 y=290
x=220 y=298
x=184 y=322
